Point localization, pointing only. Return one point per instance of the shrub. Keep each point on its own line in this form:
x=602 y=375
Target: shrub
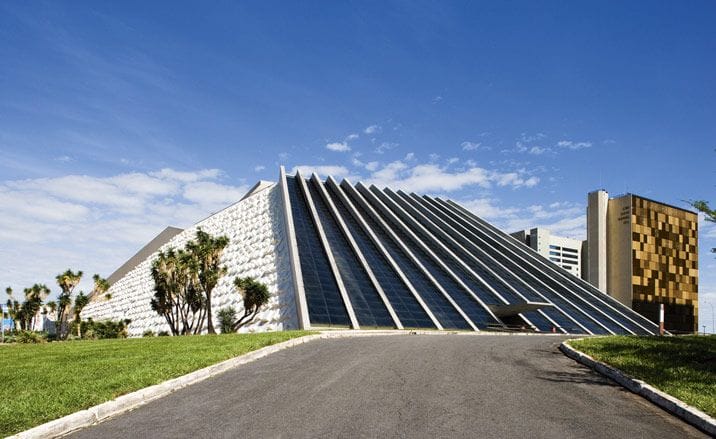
x=148 y=333
x=30 y=337
x=163 y=334
x=227 y=317
x=104 y=329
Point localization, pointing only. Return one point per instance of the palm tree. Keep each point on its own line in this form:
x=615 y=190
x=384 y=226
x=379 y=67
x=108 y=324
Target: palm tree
x=67 y=282
x=177 y=297
x=207 y=250
x=80 y=302
x=33 y=303
x=14 y=310
x=255 y=295
x=100 y=285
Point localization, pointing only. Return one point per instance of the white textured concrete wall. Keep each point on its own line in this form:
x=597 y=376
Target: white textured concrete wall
x=257 y=248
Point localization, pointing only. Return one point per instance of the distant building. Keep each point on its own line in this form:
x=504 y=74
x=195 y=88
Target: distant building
x=565 y=252
x=645 y=253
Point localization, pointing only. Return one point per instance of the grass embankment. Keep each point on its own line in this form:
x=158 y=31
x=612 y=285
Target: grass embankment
x=42 y=382
x=684 y=367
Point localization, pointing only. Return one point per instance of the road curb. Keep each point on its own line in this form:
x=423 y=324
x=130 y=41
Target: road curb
x=102 y=412
x=675 y=406
x=130 y=401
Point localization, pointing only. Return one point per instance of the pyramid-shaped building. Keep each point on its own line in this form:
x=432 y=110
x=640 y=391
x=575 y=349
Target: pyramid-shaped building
x=339 y=255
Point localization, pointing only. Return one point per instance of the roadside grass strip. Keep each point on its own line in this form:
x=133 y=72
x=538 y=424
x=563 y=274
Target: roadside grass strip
x=43 y=382
x=683 y=367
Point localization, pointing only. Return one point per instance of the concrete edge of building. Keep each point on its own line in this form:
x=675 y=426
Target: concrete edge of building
x=675 y=406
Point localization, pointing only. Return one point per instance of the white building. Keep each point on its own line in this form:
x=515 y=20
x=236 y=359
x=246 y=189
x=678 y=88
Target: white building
x=565 y=252
x=350 y=256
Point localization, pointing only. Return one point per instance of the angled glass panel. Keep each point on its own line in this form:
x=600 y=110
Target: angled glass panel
x=465 y=276
x=472 y=308
x=508 y=277
x=441 y=308
x=618 y=311
x=323 y=299
x=579 y=309
x=365 y=300
x=529 y=276
x=405 y=305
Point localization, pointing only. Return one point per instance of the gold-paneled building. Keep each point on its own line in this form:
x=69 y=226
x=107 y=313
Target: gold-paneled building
x=645 y=253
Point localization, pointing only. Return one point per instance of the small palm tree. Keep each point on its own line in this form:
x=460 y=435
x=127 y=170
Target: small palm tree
x=67 y=282
x=207 y=251
x=255 y=295
x=80 y=302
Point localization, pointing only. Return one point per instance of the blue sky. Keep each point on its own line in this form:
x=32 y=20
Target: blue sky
x=119 y=119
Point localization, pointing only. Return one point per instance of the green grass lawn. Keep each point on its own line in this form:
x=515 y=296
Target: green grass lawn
x=42 y=382
x=684 y=367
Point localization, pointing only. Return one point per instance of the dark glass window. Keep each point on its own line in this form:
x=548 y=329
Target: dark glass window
x=410 y=313
x=323 y=299
x=441 y=308
x=536 y=318
x=365 y=300
x=594 y=297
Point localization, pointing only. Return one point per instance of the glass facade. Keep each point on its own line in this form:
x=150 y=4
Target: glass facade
x=365 y=300
x=323 y=299
x=433 y=261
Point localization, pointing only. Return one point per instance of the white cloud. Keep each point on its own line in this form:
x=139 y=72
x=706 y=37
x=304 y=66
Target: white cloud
x=452 y=160
x=433 y=178
x=259 y=168
x=338 y=146
x=373 y=129
x=537 y=150
x=352 y=136
x=487 y=209
x=370 y=166
x=323 y=171
x=96 y=223
x=385 y=146
x=187 y=176
x=470 y=146
x=210 y=193
x=569 y=144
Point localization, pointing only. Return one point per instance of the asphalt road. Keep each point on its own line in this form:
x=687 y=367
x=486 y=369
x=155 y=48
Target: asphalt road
x=403 y=386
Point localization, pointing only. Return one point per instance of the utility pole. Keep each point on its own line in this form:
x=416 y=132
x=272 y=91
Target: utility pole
x=661 y=319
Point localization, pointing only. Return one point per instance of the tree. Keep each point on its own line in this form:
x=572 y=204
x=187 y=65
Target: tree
x=33 y=302
x=703 y=206
x=100 y=287
x=207 y=251
x=67 y=282
x=23 y=313
x=80 y=302
x=255 y=295
x=227 y=317
x=177 y=297
x=14 y=309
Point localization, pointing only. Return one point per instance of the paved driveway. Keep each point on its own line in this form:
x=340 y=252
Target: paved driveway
x=403 y=386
